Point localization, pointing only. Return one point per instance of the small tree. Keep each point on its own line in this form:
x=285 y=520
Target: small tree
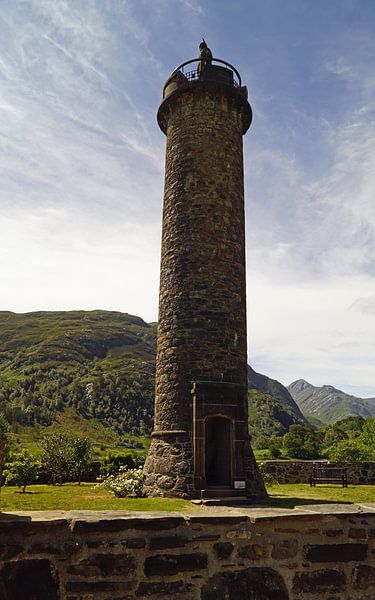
x=22 y=469
x=57 y=457
x=367 y=437
x=81 y=452
x=4 y=428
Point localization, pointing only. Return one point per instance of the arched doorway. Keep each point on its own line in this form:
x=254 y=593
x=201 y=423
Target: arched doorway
x=218 y=454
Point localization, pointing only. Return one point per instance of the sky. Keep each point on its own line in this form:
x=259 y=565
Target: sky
x=82 y=166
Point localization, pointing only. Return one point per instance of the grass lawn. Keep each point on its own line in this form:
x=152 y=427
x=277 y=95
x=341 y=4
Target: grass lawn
x=290 y=495
x=71 y=496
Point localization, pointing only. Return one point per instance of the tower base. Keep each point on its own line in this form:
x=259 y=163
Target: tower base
x=215 y=458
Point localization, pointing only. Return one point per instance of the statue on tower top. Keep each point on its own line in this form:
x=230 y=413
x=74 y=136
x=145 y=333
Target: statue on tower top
x=205 y=56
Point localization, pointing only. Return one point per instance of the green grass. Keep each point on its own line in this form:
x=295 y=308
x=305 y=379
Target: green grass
x=74 y=497
x=71 y=496
x=290 y=495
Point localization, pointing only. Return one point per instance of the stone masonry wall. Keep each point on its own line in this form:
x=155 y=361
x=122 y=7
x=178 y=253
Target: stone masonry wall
x=288 y=471
x=202 y=302
x=313 y=553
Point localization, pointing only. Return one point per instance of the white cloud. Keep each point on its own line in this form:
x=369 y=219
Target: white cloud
x=82 y=175
x=311 y=331
x=364 y=305
x=48 y=260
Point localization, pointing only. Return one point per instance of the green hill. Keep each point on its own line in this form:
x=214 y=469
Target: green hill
x=101 y=363
x=271 y=407
x=72 y=369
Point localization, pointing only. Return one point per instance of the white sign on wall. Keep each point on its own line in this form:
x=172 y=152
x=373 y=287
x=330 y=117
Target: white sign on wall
x=240 y=485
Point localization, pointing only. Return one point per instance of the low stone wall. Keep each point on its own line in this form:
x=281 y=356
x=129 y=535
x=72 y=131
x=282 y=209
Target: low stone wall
x=318 y=552
x=298 y=471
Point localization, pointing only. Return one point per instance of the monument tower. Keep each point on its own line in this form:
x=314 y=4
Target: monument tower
x=200 y=444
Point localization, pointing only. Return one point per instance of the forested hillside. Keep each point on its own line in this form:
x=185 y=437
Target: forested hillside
x=272 y=409
x=102 y=364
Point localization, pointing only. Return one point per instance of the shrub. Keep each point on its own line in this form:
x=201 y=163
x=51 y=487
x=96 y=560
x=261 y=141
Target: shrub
x=267 y=477
x=128 y=483
x=112 y=464
x=275 y=452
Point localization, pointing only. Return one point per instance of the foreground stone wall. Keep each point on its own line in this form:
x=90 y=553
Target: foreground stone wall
x=287 y=471
x=318 y=552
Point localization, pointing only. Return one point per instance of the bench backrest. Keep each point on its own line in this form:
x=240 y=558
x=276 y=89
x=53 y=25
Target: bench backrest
x=329 y=472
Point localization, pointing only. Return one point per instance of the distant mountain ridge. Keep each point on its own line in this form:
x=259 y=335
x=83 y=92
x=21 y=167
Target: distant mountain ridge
x=329 y=404
x=272 y=409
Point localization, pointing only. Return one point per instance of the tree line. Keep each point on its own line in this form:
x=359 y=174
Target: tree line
x=351 y=439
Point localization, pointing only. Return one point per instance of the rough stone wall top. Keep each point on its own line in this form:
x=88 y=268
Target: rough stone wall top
x=316 y=552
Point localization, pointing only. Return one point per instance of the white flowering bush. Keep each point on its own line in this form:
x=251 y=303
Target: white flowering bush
x=127 y=484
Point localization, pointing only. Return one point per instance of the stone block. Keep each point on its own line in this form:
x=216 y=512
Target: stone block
x=171 y=564
x=358 y=533
x=104 y=565
x=10 y=551
x=254 y=552
x=285 y=549
x=223 y=549
x=333 y=532
x=44 y=548
x=32 y=579
x=324 y=580
x=248 y=584
x=336 y=553
x=162 y=588
x=364 y=577
x=160 y=543
x=92 y=587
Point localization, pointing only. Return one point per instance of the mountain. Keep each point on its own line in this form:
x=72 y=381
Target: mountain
x=271 y=407
x=101 y=364
x=329 y=404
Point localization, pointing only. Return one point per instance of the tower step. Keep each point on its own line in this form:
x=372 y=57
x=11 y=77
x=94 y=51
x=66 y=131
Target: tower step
x=228 y=501
x=221 y=492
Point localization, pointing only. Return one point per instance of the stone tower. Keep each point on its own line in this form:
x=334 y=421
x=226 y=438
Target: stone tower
x=200 y=444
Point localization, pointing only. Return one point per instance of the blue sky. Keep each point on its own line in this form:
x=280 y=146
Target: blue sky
x=83 y=159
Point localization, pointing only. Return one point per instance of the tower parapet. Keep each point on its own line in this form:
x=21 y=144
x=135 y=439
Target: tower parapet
x=200 y=444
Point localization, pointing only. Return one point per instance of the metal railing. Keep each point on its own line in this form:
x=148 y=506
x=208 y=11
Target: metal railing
x=197 y=74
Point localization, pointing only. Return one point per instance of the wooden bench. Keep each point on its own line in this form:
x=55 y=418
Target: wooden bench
x=329 y=475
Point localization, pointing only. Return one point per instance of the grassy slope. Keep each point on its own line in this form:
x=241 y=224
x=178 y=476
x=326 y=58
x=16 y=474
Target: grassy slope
x=70 y=422
x=98 y=362
x=77 y=369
